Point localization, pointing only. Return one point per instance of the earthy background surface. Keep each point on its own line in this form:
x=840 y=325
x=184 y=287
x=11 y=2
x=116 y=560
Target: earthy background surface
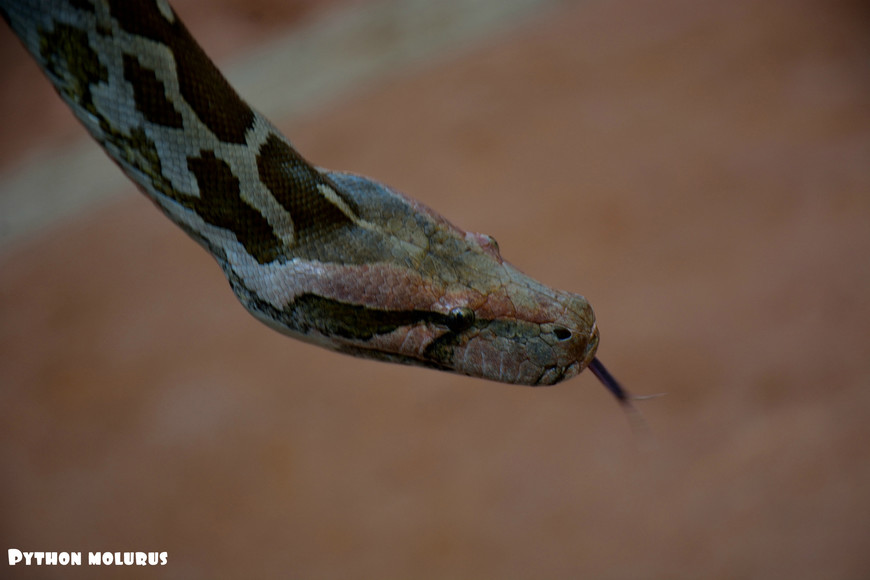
x=699 y=170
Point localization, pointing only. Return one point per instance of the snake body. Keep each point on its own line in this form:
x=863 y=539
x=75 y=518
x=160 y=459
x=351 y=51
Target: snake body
x=332 y=258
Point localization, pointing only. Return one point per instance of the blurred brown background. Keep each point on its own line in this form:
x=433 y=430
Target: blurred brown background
x=700 y=170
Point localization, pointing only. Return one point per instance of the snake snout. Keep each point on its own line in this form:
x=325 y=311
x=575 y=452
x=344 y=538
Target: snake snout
x=591 y=346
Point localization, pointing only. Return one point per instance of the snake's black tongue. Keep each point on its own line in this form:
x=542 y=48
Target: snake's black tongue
x=625 y=398
x=608 y=381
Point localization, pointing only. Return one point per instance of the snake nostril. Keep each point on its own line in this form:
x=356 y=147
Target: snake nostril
x=562 y=333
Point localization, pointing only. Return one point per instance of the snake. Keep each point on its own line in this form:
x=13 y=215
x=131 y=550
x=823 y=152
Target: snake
x=328 y=257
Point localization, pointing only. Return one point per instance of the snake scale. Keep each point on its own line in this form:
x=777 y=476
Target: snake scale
x=331 y=258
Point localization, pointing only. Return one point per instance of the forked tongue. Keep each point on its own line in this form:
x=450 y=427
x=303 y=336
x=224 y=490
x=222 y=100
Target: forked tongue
x=624 y=397
x=608 y=381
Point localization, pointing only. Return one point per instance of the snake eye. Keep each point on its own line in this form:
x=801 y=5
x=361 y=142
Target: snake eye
x=562 y=333
x=460 y=319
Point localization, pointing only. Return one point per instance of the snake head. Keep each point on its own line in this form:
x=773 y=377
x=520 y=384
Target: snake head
x=500 y=324
x=402 y=284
